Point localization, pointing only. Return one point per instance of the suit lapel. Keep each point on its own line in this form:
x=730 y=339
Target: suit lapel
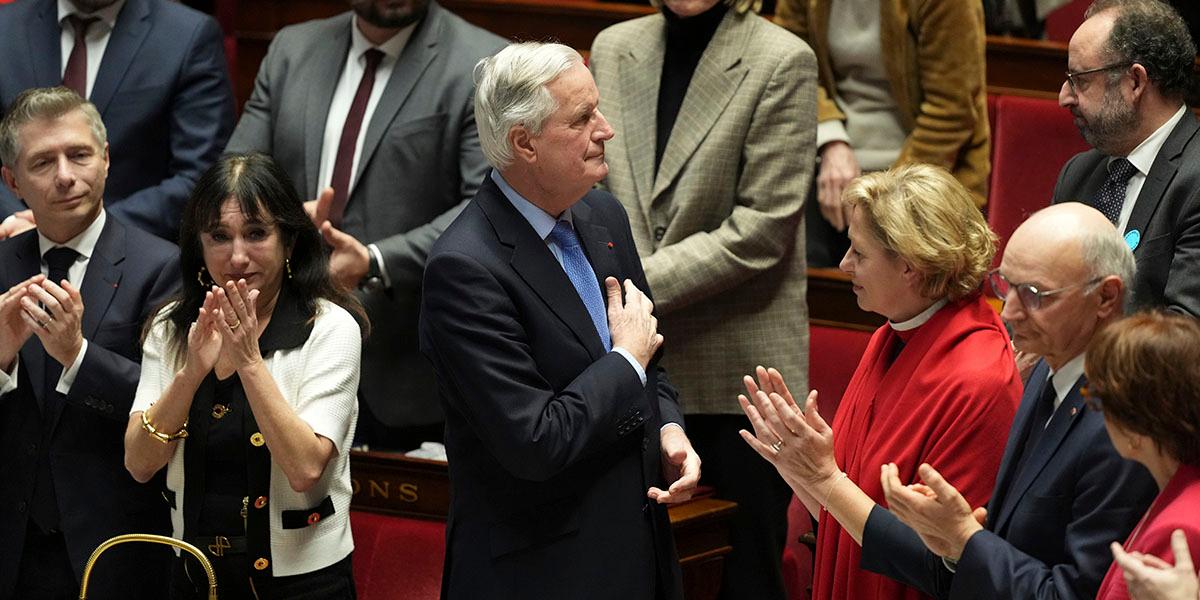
x=535 y=264
x=716 y=79
x=639 y=75
x=597 y=243
x=325 y=68
x=1060 y=425
x=45 y=49
x=130 y=30
x=103 y=275
x=1162 y=172
x=418 y=53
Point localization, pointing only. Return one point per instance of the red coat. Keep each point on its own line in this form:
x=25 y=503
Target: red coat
x=944 y=393
x=1176 y=507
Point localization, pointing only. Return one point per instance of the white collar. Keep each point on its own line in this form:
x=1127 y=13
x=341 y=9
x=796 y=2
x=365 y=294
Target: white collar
x=920 y=319
x=84 y=243
x=107 y=15
x=541 y=221
x=1143 y=156
x=360 y=44
x=1065 y=377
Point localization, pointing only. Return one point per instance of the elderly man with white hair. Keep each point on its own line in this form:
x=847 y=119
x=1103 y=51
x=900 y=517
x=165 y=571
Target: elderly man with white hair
x=563 y=435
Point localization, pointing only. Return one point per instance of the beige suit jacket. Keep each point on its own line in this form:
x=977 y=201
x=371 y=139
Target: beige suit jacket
x=719 y=227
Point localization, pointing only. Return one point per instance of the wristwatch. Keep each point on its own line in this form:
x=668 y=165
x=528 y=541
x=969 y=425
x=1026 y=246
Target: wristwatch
x=374 y=279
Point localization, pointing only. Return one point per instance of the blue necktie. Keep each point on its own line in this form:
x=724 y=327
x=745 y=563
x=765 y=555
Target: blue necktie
x=580 y=272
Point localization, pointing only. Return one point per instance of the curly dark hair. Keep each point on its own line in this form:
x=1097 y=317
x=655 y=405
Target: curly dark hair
x=262 y=189
x=1152 y=34
x=1145 y=371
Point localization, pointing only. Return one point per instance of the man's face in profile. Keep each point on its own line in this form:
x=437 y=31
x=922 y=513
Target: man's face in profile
x=389 y=14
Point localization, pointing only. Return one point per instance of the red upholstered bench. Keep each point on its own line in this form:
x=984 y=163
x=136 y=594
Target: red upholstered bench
x=833 y=355
x=1031 y=141
x=397 y=558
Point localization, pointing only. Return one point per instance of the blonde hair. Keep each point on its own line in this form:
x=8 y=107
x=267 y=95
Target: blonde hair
x=44 y=103
x=923 y=214
x=740 y=6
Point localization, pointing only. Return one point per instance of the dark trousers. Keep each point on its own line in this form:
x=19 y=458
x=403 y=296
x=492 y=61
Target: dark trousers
x=45 y=572
x=759 y=529
x=825 y=245
x=234 y=581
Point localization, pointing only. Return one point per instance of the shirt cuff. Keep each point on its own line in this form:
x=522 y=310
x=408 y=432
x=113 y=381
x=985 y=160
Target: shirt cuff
x=666 y=425
x=383 y=274
x=632 y=362
x=68 y=375
x=8 y=381
x=831 y=131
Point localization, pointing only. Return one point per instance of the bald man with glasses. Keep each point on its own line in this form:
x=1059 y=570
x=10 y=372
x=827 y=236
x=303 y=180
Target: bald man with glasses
x=1062 y=493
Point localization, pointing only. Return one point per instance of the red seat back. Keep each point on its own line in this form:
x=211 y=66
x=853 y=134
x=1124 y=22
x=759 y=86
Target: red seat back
x=397 y=558
x=1032 y=141
x=1062 y=22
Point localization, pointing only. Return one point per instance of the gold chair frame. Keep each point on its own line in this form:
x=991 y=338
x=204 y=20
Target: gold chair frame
x=154 y=539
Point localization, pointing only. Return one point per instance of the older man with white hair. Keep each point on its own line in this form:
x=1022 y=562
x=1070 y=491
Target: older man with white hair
x=563 y=435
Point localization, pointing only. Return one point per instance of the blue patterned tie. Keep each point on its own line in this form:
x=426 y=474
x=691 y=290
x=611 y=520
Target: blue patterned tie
x=580 y=272
x=1112 y=194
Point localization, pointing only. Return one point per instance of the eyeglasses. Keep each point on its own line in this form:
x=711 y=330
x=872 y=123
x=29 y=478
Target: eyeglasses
x=1076 y=84
x=1031 y=297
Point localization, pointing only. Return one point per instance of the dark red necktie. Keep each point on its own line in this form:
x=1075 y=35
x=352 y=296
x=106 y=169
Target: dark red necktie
x=343 y=165
x=75 y=76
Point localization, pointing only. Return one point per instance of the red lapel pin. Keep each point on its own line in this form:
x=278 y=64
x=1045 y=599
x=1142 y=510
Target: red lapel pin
x=610 y=245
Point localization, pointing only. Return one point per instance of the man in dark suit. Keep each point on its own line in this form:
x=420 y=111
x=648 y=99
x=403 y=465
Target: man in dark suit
x=78 y=288
x=370 y=112
x=1062 y=493
x=1130 y=64
x=154 y=69
x=559 y=424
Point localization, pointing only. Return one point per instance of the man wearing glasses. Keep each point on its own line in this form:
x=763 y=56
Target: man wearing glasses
x=1062 y=493
x=1130 y=63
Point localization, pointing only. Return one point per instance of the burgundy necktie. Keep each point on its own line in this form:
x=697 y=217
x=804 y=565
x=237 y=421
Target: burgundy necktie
x=75 y=76
x=344 y=163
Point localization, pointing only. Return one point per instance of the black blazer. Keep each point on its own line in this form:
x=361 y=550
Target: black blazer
x=552 y=442
x=162 y=90
x=130 y=273
x=1048 y=528
x=1166 y=217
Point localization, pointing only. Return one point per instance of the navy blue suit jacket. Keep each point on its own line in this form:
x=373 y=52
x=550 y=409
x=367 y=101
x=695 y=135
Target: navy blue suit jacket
x=162 y=90
x=552 y=441
x=1048 y=526
x=130 y=273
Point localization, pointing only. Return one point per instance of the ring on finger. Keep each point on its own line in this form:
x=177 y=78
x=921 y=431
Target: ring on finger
x=235 y=325
x=777 y=446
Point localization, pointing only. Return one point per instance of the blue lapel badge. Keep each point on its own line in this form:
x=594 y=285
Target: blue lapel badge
x=1132 y=239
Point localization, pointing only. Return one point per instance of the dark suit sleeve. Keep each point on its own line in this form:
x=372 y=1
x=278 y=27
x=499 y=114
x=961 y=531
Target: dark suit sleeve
x=404 y=254
x=107 y=380
x=1182 y=291
x=1109 y=497
x=201 y=118
x=893 y=550
x=474 y=332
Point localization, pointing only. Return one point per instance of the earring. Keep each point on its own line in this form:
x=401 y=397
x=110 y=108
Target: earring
x=200 y=278
x=287 y=264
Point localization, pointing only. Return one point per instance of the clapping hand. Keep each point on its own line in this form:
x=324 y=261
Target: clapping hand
x=935 y=510
x=14 y=328
x=54 y=313
x=238 y=323
x=204 y=341
x=1149 y=577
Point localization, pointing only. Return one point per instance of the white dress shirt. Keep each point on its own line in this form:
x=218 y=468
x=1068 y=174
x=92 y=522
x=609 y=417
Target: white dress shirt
x=1142 y=159
x=85 y=245
x=97 y=35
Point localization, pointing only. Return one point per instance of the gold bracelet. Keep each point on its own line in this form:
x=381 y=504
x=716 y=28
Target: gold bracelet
x=165 y=438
